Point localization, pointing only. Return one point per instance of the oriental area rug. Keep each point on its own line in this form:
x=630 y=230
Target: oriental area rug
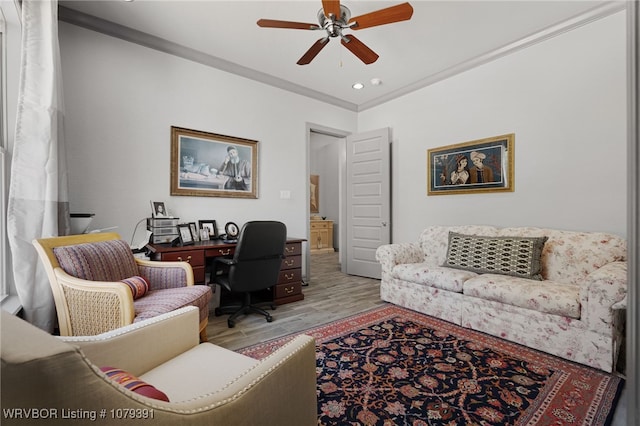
x=392 y=366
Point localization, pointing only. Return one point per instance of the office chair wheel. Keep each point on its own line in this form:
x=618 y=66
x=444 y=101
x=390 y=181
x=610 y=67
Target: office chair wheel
x=231 y=323
x=217 y=312
x=269 y=318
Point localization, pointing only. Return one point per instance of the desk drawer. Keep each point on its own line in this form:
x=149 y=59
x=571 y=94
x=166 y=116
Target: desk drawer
x=218 y=252
x=194 y=257
x=291 y=262
x=320 y=224
x=284 y=291
x=293 y=249
x=289 y=276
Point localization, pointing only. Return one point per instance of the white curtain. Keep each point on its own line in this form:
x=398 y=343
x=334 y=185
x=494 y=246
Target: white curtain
x=38 y=194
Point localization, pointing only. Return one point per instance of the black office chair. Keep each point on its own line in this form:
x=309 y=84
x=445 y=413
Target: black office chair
x=254 y=267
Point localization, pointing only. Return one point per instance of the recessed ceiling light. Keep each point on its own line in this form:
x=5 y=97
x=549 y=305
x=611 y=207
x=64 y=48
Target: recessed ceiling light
x=357 y=86
x=376 y=81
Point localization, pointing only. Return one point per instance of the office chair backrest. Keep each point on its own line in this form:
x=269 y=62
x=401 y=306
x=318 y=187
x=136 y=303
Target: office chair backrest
x=258 y=255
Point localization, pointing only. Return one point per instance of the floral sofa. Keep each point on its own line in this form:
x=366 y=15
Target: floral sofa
x=567 y=311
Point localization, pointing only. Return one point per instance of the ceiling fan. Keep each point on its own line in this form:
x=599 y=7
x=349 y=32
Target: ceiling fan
x=334 y=18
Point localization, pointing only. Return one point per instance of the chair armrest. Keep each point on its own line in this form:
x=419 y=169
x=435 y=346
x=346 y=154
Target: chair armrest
x=291 y=370
x=93 y=307
x=163 y=275
x=142 y=346
x=390 y=255
x=602 y=289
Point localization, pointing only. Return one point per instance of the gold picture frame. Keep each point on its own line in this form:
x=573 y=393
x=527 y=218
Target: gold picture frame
x=206 y=164
x=483 y=165
x=314 y=199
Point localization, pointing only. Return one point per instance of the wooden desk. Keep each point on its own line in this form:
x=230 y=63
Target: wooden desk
x=288 y=289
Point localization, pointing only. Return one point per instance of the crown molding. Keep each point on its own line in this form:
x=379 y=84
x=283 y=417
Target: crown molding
x=589 y=16
x=138 y=37
x=112 y=29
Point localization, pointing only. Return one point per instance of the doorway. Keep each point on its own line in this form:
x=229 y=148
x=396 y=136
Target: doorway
x=326 y=149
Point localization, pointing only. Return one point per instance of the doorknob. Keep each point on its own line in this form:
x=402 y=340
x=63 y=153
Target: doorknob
x=384 y=223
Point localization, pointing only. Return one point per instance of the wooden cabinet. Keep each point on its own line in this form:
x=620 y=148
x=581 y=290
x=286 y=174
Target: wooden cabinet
x=289 y=287
x=321 y=236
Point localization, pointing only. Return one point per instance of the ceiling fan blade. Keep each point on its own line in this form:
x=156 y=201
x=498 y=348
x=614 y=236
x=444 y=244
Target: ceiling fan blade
x=273 y=23
x=331 y=7
x=313 y=51
x=359 y=49
x=401 y=12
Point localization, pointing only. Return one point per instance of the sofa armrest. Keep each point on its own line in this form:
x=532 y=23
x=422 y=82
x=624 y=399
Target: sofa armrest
x=92 y=307
x=141 y=346
x=602 y=289
x=163 y=275
x=390 y=255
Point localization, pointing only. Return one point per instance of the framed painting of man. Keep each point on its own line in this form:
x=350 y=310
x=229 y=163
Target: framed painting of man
x=484 y=165
x=211 y=165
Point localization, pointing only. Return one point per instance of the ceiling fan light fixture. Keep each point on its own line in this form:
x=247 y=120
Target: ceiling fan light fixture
x=357 y=86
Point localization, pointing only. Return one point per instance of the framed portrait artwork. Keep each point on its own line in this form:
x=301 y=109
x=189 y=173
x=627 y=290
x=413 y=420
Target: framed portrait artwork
x=184 y=232
x=484 y=165
x=211 y=165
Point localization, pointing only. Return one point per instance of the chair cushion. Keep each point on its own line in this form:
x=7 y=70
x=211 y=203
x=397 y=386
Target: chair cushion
x=515 y=256
x=202 y=370
x=139 y=286
x=110 y=260
x=158 y=302
x=133 y=383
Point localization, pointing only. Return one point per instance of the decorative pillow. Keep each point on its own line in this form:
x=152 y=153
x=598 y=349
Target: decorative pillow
x=139 y=286
x=515 y=256
x=110 y=260
x=134 y=384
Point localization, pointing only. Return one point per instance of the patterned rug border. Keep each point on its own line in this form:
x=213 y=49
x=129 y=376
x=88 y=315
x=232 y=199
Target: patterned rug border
x=601 y=414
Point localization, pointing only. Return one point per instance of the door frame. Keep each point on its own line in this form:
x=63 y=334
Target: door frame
x=338 y=134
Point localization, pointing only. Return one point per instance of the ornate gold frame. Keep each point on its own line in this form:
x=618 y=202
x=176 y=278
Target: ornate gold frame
x=200 y=166
x=494 y=173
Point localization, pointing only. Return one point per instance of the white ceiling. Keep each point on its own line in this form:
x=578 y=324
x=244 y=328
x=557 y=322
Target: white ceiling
x=442 y=38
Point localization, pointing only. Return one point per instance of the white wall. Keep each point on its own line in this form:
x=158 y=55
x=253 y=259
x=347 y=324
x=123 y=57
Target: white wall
x=564 y=99
x=121 y=100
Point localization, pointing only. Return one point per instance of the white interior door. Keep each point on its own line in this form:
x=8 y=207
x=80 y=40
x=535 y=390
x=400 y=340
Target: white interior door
x=368 y=201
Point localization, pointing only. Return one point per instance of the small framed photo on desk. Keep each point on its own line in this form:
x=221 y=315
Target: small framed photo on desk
x=184 y=232
x=211 y=227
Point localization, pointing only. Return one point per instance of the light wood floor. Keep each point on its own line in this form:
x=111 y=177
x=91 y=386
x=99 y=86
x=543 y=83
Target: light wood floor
x=330 y=295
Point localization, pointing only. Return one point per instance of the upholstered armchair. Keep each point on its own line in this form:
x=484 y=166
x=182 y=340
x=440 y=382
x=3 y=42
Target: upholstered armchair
x=98 y=285
x=155 y=360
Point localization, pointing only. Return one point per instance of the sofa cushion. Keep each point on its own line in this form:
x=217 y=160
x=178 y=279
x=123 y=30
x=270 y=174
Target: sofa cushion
x=433 y=276
x=110 y=260
x=159 y=302
x=515 y=256
x=133 y=383
x=543 y=296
